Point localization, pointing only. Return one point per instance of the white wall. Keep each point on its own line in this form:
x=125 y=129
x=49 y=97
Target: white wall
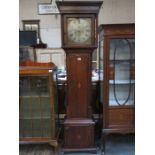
x=111 y=12
x=117 y=11
x=49 y=24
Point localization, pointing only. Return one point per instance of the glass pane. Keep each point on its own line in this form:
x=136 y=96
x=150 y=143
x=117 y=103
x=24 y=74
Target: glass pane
x=47 y=128
x=94 y=55
x=79 y=30
x=34 y=27
x=21 y=128
x=121 y=72
x=39 y=86
x=120 y=48
x=45 y=103
x=122 y=93
x=28 y=27
x=25 y=110
x=35 y=107
x=37 y=130
x=27 y=125
x=24 y=86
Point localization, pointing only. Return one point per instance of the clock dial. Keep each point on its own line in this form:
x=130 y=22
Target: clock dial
x=79 y=30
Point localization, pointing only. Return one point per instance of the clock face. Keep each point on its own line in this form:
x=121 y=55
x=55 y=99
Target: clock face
x=79 y=30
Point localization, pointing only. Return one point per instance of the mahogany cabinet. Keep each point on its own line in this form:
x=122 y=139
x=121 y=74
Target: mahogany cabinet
x=117 y=78
x=38 y=119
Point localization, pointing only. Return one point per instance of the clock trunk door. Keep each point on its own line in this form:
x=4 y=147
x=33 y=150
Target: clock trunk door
x=78 y=85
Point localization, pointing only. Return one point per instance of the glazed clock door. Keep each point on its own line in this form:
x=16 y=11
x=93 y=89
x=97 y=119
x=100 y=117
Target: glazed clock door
x=121 y=82
x=79 y=30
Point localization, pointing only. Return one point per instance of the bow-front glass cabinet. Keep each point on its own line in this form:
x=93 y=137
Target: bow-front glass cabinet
x=117 y=78
x=38 y=119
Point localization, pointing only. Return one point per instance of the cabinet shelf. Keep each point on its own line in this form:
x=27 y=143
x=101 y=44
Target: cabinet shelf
x=121 y=82
x=28 y=96
x=123 y=60
x=37 y=117
x=114 y=103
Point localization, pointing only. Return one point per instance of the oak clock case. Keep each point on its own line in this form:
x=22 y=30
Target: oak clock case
x=117 y=62
x=79 y=20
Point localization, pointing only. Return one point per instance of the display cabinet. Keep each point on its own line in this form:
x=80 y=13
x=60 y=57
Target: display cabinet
x=38 y=119
x=117 y=80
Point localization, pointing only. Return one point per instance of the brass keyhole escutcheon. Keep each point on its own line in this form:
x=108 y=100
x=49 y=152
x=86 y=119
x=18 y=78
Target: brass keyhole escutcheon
x=79 y=59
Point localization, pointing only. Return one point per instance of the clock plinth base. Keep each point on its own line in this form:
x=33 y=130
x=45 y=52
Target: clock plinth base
x=79 y=135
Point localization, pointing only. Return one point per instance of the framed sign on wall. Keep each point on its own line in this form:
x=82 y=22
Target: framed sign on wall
x=48 y=8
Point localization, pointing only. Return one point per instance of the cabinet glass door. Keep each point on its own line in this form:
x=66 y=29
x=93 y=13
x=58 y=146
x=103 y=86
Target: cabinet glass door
x=35 y=107
x=121 y=72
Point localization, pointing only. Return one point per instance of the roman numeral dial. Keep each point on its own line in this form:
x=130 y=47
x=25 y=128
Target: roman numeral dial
x=79 y=30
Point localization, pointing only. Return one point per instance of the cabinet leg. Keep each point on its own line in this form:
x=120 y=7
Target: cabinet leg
x=103 y=150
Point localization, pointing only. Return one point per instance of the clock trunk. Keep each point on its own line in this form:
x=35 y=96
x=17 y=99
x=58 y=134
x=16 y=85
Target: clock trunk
x=79 y=84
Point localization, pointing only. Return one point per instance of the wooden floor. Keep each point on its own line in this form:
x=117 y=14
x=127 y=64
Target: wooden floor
x=115 y=145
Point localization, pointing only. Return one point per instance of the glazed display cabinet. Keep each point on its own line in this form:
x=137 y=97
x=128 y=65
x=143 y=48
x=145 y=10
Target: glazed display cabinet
x=117 y=78
x=38 y=119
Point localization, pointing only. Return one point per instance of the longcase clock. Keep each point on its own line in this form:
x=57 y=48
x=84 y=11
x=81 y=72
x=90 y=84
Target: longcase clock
x=79 y=40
